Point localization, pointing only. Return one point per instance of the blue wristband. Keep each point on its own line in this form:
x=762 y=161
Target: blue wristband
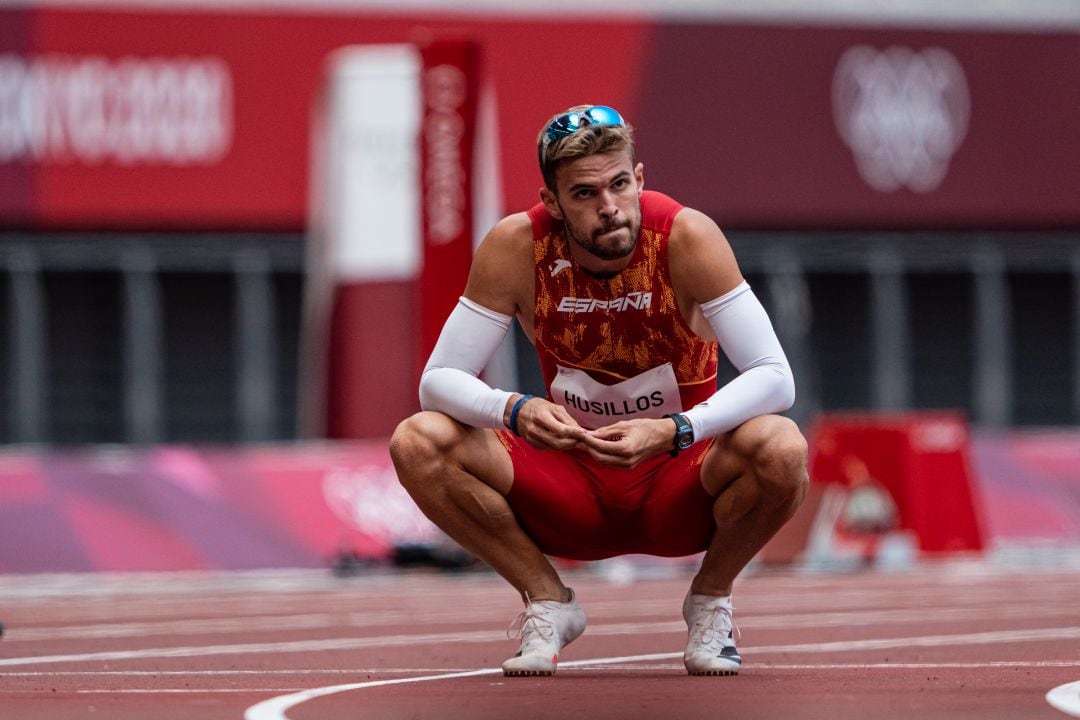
x=514 y=412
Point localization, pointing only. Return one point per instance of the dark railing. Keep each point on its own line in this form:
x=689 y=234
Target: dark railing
x=196 y=337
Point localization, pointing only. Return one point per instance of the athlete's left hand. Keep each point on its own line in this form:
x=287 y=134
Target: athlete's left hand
x=627 y=443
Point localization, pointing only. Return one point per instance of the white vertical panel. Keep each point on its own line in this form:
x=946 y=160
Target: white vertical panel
x=364 y=200
x=372 y=211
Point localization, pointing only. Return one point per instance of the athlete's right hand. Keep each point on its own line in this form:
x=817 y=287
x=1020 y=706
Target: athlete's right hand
x=546 y=425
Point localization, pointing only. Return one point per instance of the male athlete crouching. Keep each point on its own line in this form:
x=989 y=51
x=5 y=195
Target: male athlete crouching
x=624 y=293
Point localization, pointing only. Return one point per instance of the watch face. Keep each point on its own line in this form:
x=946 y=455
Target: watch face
x=684 y=433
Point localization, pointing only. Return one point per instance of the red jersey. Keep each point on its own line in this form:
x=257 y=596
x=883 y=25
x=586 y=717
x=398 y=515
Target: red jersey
x=617 y=348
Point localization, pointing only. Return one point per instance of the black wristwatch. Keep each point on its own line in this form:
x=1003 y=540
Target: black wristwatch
x=684 y=434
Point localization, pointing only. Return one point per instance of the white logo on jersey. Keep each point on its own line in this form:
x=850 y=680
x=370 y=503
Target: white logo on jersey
x=558 y=266
x=635 y=300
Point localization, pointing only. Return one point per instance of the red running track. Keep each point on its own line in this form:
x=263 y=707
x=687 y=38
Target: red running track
x=954 y=640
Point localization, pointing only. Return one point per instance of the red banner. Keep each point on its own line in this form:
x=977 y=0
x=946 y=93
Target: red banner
x=163 y=119
x=450 y=88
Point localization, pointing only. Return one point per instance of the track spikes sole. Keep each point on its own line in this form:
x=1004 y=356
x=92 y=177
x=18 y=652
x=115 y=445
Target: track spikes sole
x=528 y=673
x=716 y=673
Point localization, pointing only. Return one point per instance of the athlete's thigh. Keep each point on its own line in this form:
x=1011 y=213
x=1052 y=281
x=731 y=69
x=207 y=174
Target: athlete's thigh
x=732 y=453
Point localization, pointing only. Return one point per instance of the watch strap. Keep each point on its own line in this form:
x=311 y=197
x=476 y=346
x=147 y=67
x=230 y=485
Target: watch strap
x=682 y=429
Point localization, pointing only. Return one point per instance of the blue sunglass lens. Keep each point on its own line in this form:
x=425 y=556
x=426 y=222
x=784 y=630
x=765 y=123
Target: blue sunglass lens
x=564 y=125
x=570 y=123
x=604 y=115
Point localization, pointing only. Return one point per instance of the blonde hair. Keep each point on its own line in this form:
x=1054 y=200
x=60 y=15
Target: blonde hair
x=585 y=141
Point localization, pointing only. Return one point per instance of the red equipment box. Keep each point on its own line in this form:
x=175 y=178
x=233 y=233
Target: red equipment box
x=920 y=458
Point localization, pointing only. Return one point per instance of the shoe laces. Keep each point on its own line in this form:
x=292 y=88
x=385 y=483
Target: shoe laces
x=718 y=626
x=532 y=627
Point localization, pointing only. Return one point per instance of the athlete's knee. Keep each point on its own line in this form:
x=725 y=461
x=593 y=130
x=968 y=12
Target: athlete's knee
x=426 y=449
x=779 y=461
x=423 y=438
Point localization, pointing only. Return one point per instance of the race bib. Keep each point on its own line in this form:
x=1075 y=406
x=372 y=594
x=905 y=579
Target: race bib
x=652 y=394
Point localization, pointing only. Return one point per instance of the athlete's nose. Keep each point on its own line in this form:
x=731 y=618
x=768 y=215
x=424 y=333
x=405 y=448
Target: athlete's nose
x=608 y=208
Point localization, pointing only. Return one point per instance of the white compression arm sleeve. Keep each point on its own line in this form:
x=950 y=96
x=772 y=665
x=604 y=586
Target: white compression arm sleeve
x=764 y=384
x=450 y=382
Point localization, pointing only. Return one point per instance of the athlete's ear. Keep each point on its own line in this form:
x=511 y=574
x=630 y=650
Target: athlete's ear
x=551 y=203
x=639 y=176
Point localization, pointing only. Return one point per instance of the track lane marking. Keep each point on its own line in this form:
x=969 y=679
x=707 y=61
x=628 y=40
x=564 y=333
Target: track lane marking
x=298 y=646
x=275 y=708
x=212 y=673
x=629 y=668
x=1066 y=698
x=988 y=665
x=178 y=691
x=315 y=621
x=1049 y=634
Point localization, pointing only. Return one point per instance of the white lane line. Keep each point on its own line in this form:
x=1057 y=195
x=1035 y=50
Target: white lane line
x=194 y=626
x=353 y=672
x=862 y=666
x=215 y=673
x=314 y=621
x=1066 y=698
x=629 y=668
x=922 y=666
x=177 y=691
x=274 y=708
x=219 y=626
x=304 y=646
x=984 y=638
x=299 y=646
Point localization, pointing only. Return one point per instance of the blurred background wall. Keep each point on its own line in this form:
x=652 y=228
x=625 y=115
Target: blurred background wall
x=901 y=187
x=901 y=184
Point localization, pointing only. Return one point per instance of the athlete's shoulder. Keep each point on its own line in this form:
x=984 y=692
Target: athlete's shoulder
x=511 y=231
x=695 y=224
x=501 y=273
x=658 y=211
x=506 y=251
x=700 y=258
x=508 y=244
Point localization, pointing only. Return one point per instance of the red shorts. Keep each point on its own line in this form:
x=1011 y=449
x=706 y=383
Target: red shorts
x=574 y=507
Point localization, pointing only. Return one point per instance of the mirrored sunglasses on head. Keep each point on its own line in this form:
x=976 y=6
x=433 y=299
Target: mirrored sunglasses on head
x=569 y=123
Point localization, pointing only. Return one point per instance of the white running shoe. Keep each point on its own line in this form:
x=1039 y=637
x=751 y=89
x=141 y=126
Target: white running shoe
x=710 y=647
x=545 y=628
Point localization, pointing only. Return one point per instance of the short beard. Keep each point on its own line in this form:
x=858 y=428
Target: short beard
x=589 y=244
